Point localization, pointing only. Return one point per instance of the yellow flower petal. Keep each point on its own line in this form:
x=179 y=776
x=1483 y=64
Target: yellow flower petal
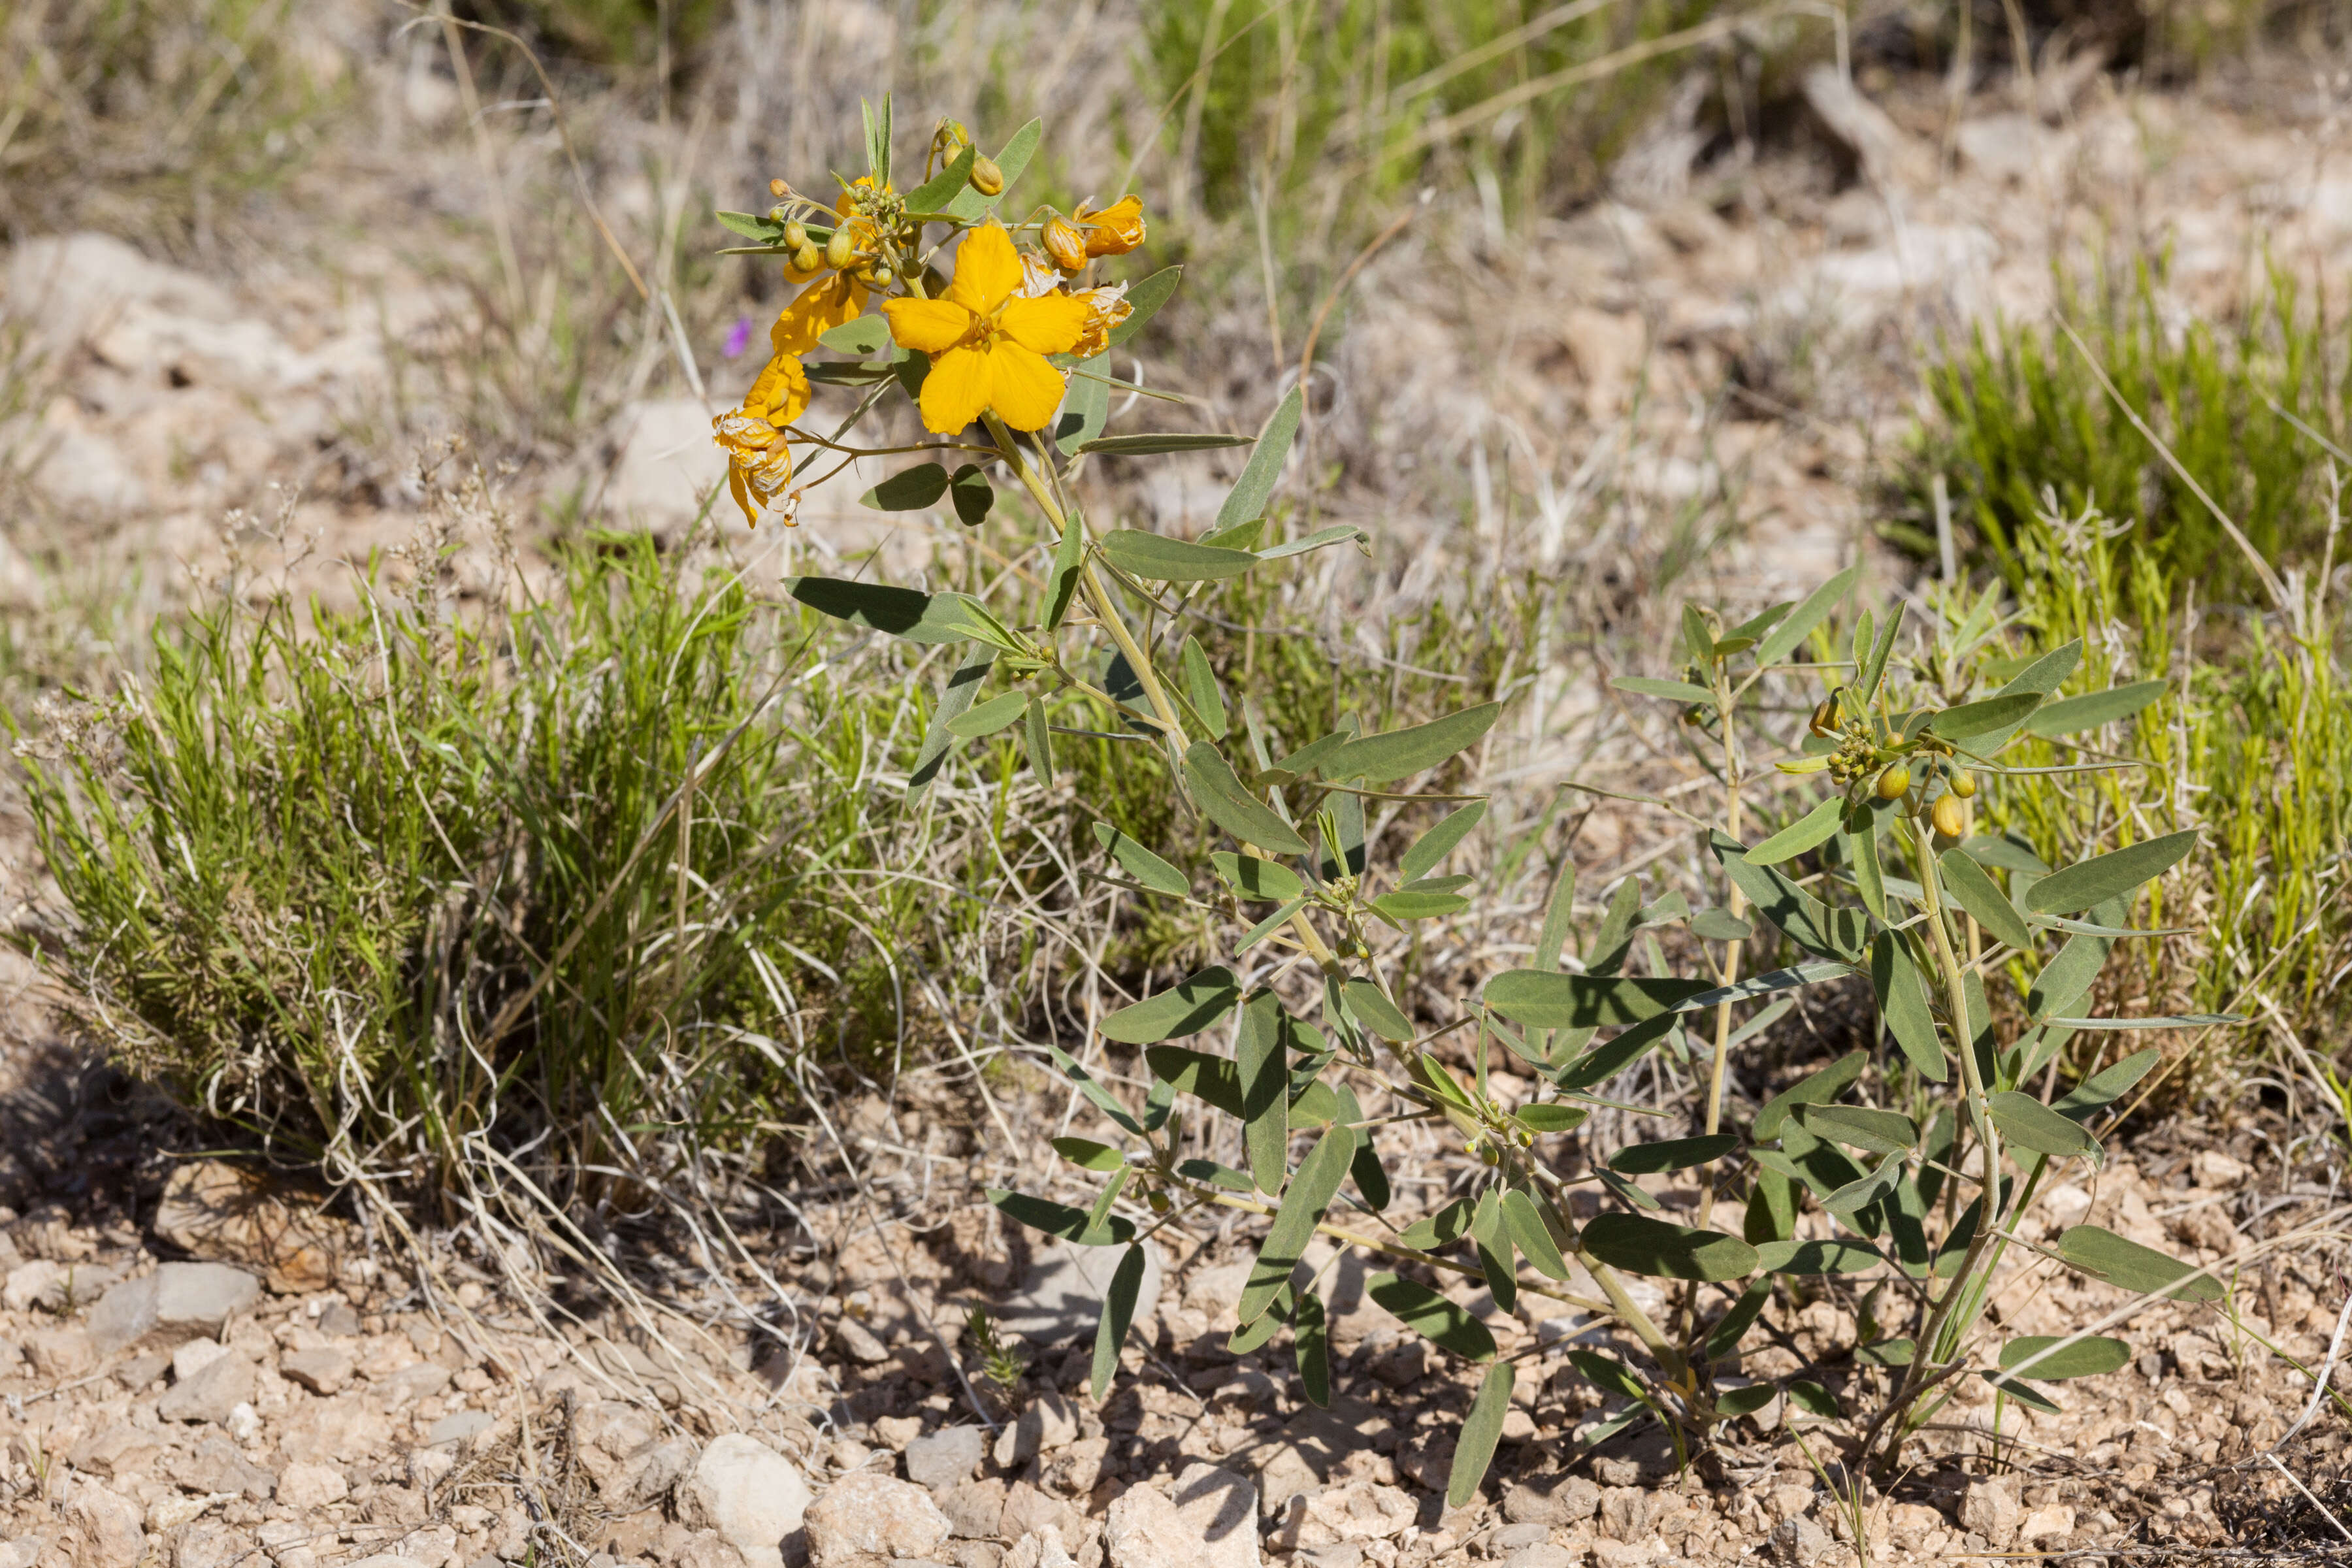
x=927 y=326
x=1022 y=388
x=817 y=310
x=988 y=269
x=782 y=393
x=735 y=487
x=1051 y=323
x=957 y=388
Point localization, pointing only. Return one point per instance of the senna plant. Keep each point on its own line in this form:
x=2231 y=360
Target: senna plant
x=1907 y=1181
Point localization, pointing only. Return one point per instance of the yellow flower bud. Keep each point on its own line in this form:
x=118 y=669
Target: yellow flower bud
x=986 y=177
x=807 y=259
x=795 y=236
x=1964 y=785
x=777 y=188
x=879 y=277
x=840 y=250
x=1065 y=242
x=1824 y=722
x=1893 y=782
x=1950 y=817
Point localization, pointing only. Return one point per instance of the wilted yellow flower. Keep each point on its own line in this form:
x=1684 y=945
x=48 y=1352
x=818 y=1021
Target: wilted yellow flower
x=1065 y=242
x=814 y=312
x=988 y=347
x=1106 y=308
x=759 y=463
x=1115 y=230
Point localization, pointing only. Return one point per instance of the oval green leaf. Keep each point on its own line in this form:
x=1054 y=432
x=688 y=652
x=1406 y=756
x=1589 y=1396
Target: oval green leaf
x=1185 y=1008
x=1434 y=845
x=1157 y=558
x=1474 y=1449
x=2028 y=1123
x=1547 y=1000
x=1254 y=879
x=1372 y=1008
x=2092 y=1357
x=998 y=713
x=1672 y=1155
x=1978 y=894
x=1807 y=832
x=1250 y=493
x=2088 y=883
x=909 y=490
x=1817 y=1258
x=2125 y=1263
x=1431 y=1316
x=1640 y=1244
x=1140 y=863
x=1226 y=803
x=1401 y=753
x=2094 y=709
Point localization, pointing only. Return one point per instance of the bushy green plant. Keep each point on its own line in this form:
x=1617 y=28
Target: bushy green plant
x=1915 y=1192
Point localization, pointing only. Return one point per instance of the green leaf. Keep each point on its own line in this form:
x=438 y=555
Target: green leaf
x=1878 y=1131
x=1887 y=1352
x=1144 y=299
x=1606 y=1060
x=955 y=700
x=1408 y=904
x=1817 y=1258
x=1553 y=1001
x=935 y=194
x=1201 y=685
x=1338 y=532
x=1250 y=493
x=971 y=495
x=1373 y=1009
x=1400 y=753
x=1819 y=1088
x=865 y=335
x=1117 y=1314
x=1086 y=407
x=2168 y=1021
x=1140 y=863
x=1672 y=690
x=1262 y=880
x=1720 y=925
x=1089 y=1155
x=1859 y=1195
x=1807 y=832
x=1232 y=808
x=1640 y=1244
x=1551 y=1117
x=1209 y=1171
x=1609 y=1374
x=2090 y=882
x=1791 y=628
x=1435 y=1233
x=1860 y=854
x=1695 y=636
x=1493 y=1247
x=1155 y=557
x=2139 y=1270
x=902 y=612
x=1976 y=894
x=2092 y=1357
x=1627 y=1192
x=2028 y=1123
x=1902 y=1001
x=1814 y=1400
x=2106 y=1086
x=998 y=712
x=1264 y=1074
x=1104 y=1100
x=1310 y=1344
x=1875 y=669
x=969 y=204
x=1250 y=1336
x=1155 y=442
x=1431 y=1316
x=1311 y=1191
x=2094 y=709
x=1037 y=738
x=1532 y=1236
x=1723 y=1339
x=1802 y=916
x=1973 y=719
x=1672 y=1155
x=1771 y=1213
x=2067 y=978
x=1268 y=926
x=1371 y=1180
x=2024 y=1392
x=1746 y=1400
x=1059 y=1219
x=1187 y=1008
x=1473 y=1447
x=1062 y=582
x=751 y=226
x=1434 y=845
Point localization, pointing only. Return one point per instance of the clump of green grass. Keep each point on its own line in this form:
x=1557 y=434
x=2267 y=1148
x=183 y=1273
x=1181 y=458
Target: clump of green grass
x=2018 y=410
x=435 y=887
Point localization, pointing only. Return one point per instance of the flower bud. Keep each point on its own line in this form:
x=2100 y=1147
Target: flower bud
x=1950 y=817
x=986 y=177
x=840 y=250
x=777 y=188
x=1964 y=785
x=807 y=259
x=1824 y=722
x=1064 y=243
x=1159 y=1201
x=879 y=277
x=795 y=236
x=1893 y=782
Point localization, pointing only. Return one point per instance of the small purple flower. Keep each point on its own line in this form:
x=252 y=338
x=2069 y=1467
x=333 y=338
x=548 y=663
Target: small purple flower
x=738 y=340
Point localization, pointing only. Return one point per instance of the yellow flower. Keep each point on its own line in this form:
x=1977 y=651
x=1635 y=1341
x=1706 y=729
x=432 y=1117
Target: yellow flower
x=1115 y=230
x=1106 y=308
x=814 y=312
x=988 y=347
x=759 y=463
